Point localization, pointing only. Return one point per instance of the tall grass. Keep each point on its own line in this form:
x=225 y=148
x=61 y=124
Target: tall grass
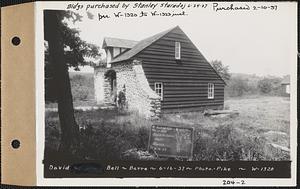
x=101 y=136
x=107 y=134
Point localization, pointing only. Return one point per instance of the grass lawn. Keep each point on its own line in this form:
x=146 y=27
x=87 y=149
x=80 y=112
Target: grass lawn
x=90 y=102
x=264 y=116
x=260 y=132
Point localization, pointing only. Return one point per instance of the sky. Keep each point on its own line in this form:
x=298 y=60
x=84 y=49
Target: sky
x=253 y=42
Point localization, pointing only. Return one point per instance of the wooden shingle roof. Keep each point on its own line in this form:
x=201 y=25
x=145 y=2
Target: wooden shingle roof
x=140 y=46
x=117 y=42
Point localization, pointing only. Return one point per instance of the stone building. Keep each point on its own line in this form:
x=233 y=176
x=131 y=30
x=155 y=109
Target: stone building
x=163 y=73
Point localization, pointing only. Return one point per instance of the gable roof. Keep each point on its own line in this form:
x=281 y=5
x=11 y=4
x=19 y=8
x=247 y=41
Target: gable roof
x=117 y=42
x=140 y=46
x=149 y=41
x=286 y=80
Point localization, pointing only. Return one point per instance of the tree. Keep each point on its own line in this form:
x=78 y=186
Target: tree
x=65 y=49
x=267 y=85
x=237 y=86
x=222 y=70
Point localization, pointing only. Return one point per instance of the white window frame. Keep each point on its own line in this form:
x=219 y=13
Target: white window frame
x=177 y=50
x=159 y=86
x=211 y=91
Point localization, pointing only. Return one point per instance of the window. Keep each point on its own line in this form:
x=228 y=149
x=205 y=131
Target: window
x=211 y=91
x=177 y=50
x=158 y=87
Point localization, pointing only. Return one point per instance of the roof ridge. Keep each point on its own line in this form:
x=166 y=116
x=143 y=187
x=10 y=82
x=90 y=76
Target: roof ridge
x=118 y=42
x=119 y=38
x=165 y=31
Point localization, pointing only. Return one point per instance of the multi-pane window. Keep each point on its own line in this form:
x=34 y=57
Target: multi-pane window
x=211 y=91
x=158 y=87
x=177 y=50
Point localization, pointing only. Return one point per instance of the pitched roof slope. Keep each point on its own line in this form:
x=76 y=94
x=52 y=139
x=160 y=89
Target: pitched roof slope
x=140 y=46
x=117 y=42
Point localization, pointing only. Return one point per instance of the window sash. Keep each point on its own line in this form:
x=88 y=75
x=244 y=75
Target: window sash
x=211 y=91
x=158 y=88
x=177 y=50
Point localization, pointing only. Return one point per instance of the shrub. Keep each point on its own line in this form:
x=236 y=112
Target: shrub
x=229 y=144
x=107 y=141
x=221 y=69
x=265 y=86
x=243 y=84
x=237 y=86
x=100 y=138
x=271 y=85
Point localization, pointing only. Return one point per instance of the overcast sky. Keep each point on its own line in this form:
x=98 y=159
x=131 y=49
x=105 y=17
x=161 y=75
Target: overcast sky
x=252 y=42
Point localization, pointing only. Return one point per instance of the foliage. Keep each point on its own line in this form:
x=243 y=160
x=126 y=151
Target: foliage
x=75 y=48
x=244 y=84
x=237 y=86
x=82 y=87
x=100 y=139
x=265 y=86
x=110 y=74
x=269 y=85
x=229 y=144
x=222 y=70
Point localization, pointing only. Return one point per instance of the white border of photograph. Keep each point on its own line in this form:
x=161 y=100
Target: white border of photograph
x=40 y=123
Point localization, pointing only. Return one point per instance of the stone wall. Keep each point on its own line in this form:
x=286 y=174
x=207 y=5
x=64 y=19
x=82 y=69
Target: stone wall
x=102 y=86
x=139 y=96
x=99 y=84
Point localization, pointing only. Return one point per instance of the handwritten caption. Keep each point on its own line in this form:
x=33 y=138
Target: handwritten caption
x=186 y=168
x=234 y=171
x=165 y=9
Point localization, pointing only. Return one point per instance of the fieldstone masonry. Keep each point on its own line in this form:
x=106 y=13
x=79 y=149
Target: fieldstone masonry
x=139 y=96
x=107 y=92
x=150 y=96
x=99 y=81
x=102 y=86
